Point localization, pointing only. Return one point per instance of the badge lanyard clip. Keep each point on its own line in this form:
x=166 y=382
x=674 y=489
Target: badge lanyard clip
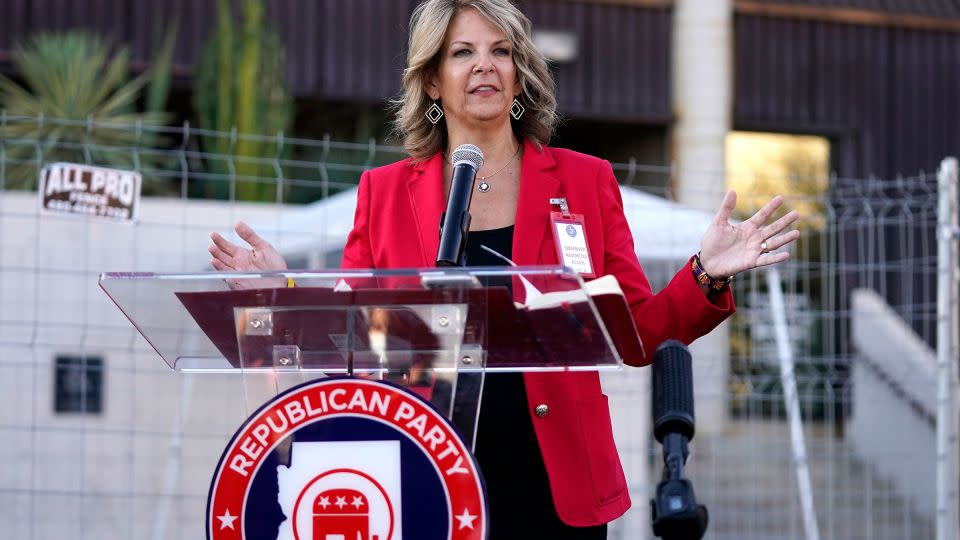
x=562 y=203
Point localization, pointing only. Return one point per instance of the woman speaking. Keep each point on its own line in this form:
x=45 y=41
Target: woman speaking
x=473 y=75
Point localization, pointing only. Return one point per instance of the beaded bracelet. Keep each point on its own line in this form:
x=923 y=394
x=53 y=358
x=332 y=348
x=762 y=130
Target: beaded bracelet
x=703 y=278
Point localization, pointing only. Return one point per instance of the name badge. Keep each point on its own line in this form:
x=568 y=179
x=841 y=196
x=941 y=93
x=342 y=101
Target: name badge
x=570 y=236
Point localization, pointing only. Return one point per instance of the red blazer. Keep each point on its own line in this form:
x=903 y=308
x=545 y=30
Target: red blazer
x=396 y=226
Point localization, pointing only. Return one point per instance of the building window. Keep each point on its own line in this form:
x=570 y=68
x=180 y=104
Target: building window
x=78 y=384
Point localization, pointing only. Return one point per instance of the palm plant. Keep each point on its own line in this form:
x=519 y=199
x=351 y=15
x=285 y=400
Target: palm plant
x=78 y=105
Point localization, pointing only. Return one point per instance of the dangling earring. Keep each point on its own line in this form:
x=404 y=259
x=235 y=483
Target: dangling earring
x=434 y=113
x=516 y=110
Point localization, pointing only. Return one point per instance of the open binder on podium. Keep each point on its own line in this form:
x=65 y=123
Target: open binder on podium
x=433 y=331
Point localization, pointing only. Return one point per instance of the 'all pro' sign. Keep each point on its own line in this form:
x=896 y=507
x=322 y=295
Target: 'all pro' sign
x=69 y=188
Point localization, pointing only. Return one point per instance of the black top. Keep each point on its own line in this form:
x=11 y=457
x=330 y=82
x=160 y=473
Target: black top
x=506 y=447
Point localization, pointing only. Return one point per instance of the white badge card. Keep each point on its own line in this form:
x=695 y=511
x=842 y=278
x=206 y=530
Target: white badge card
x=573 y=250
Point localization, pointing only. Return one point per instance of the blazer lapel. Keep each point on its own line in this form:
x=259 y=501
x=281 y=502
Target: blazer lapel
x=537 y=187
x=426 y=199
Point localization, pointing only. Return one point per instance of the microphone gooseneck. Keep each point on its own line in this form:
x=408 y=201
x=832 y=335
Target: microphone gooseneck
x=455 y=222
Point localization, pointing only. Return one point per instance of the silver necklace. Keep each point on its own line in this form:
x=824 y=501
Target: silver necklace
x=484 y=186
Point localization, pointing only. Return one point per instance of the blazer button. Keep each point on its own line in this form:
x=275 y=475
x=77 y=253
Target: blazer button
x=541 y=410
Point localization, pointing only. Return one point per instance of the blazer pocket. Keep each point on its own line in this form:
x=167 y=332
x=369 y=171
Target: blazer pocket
x=605 y=469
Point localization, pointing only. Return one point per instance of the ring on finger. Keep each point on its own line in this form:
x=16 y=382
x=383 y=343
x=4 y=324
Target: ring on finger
x=764 y=248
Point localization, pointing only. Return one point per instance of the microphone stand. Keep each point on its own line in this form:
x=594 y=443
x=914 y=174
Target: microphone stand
x=674 y=509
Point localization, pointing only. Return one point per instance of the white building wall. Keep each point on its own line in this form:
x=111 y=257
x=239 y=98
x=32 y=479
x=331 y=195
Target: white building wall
x=142 y=468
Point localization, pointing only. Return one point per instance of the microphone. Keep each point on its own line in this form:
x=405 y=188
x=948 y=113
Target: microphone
x=455 y=223
x=675 y=511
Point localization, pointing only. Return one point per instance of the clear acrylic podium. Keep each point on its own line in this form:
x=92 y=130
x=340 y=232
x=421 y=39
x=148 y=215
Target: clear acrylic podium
x=433 y=331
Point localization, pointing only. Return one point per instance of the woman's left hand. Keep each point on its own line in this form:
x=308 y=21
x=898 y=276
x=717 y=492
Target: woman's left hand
x=728 y=249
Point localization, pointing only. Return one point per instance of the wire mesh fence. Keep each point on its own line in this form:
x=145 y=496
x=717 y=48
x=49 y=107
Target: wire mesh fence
x=103 y=441
x=173 y=162
x=876 y=239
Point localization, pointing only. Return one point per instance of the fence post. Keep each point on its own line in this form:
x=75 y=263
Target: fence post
x=947 y=455
x=791 y=404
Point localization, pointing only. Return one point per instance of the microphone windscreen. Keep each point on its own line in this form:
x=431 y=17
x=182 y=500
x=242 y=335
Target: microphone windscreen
x=468 y=153
x=672 y=390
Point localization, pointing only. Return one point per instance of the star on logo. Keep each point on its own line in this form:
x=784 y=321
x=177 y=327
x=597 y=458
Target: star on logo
x=341 y=502
x=226 y=520
x=324 y=502
x=466 y=520
x=357 y=502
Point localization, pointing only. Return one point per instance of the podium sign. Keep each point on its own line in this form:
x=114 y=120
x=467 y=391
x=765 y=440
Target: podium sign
x=336 y=455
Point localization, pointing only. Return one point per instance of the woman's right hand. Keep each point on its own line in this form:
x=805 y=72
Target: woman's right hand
x=260 y=257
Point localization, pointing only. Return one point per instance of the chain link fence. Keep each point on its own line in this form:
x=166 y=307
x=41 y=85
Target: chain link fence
x=101 y=440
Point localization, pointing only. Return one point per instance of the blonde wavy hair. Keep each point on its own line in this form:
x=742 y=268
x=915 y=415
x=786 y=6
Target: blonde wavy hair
x=428 y=28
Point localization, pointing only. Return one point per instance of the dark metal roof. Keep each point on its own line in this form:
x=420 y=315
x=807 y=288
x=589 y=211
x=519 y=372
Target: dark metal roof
x=121 y=21
x=623 y=67
x=915 y=13
x=886 y=96
x=335 y=48
x=926 y=8
x=354 y=50
x=343 y=50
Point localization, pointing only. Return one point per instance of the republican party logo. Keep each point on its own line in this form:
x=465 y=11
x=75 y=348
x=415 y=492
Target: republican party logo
x=346 y=459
